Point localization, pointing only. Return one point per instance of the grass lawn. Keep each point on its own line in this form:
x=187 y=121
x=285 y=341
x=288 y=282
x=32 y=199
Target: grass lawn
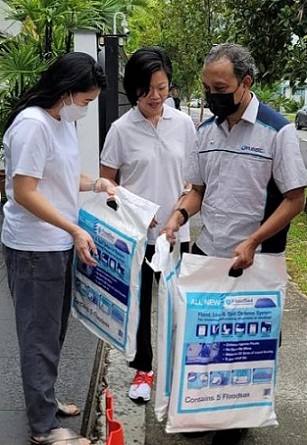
x=296 y=252
x=289 y=116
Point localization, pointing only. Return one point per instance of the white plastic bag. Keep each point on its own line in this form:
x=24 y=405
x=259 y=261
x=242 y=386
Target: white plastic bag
x=167 y=263
x=227 y=340
x=106 y=297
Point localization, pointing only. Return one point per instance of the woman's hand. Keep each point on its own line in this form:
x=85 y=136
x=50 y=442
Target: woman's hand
x=85 y=247
x=104 y=185
x=88 y=184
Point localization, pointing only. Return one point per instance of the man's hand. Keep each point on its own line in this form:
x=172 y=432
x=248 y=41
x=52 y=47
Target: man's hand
x=172 y=226
x=292 y=204
x=244 y=254
x=191 y=204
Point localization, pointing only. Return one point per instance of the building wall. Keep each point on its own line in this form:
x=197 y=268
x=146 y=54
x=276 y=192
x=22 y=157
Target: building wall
x=8 y=28
x=88 y=130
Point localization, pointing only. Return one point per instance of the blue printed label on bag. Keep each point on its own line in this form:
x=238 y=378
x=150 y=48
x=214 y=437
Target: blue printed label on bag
x=102 y=292
x=229 y=350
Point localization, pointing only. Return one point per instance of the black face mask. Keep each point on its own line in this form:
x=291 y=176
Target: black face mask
x=222 y=105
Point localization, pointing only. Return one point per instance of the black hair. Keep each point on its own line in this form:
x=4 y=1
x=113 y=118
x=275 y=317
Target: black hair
x=139 y=69
x=240 y=57
x=71 y=73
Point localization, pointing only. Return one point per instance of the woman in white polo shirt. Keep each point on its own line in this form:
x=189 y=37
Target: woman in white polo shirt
x=147 y=147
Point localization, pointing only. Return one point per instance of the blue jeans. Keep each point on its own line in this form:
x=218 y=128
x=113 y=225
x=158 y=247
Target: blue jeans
x=41 y=285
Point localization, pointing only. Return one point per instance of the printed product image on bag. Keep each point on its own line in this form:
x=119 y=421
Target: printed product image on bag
x=226 y=347
x=106 y=297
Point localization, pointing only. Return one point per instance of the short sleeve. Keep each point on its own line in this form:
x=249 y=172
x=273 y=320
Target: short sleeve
x=289 y=171
x=192 y=171
x=29 y=146
x=112 y=152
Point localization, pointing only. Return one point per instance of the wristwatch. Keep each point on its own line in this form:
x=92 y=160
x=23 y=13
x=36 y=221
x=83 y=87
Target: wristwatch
x=185 y=215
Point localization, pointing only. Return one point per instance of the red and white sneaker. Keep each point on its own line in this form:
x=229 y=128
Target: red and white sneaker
x=140 y=389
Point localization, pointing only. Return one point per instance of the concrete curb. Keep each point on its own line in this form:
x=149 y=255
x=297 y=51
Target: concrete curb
x=90 y=425
x=111 y=370
x=118 y=377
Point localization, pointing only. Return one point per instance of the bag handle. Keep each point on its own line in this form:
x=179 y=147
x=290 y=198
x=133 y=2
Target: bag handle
x=112 y=204
x=235 y=273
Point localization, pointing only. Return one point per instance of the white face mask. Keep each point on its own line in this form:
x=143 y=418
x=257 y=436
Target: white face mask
x=73 y=112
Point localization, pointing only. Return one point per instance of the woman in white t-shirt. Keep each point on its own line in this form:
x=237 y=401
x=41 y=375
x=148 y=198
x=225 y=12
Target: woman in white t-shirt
x=40 y=228
x=147 y=148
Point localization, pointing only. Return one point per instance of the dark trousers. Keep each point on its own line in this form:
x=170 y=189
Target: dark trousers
x=143 y=358
x=40 y=284
x=195 y=249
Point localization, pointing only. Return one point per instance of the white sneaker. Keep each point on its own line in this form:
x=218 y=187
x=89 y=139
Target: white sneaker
x=140 y=388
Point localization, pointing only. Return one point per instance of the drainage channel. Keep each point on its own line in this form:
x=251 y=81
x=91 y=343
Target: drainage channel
x=93 y=422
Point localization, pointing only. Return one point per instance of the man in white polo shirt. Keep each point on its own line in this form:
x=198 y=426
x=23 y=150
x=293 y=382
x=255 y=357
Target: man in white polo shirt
x=246 y=169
